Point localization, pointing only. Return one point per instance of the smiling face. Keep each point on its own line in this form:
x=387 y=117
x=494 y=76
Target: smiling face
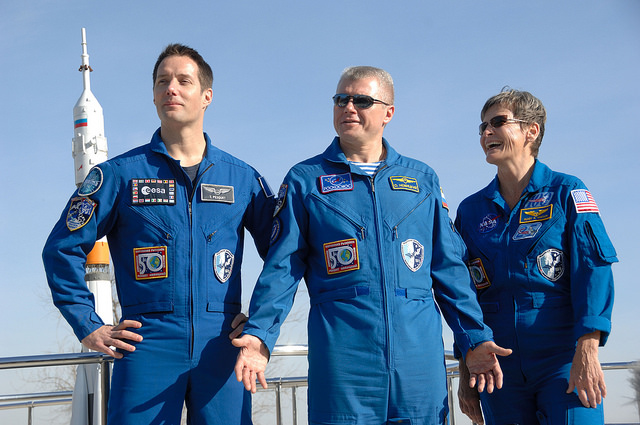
x=509 y=143
x=361 y=126
x=177 y=92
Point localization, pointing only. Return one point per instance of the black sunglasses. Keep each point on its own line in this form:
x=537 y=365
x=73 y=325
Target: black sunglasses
x=360 y=101
x=497 y=121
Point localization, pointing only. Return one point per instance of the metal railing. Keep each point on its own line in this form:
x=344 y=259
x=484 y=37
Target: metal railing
x=32 y=400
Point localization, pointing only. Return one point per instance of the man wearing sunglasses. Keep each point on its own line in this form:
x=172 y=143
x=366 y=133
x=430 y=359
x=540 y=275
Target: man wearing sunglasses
x=369 y=231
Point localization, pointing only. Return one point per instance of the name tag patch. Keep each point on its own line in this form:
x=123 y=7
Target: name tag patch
x=528 y=215
x=336 y=183
x=404 y=183
x=551 y=264
x=151 y=263
x=341 y=256
x=91 y=183
x=80 y=212
x=223 y=265
x=216 y=193
x=478 y=274
x=153 y=192
x=527 y=231
x=412 y=254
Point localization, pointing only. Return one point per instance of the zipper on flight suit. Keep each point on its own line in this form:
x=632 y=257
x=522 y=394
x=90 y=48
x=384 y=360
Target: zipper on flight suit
x=395 y=228
x=385 y=298
x=191 y=307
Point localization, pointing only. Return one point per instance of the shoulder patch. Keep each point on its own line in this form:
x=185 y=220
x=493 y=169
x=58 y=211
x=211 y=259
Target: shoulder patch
x=336 y=183
x=404 y=183
x=282 y=196
x=91 y=183
x=80 y=212
x=444 y=200
x=265 y=187
x=584 y=202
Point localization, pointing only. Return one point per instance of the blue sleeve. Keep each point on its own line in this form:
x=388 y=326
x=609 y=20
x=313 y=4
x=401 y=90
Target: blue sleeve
x=258 y=216
x=83 y=221
x=591 y=256
x=284 y=266
x=452 y=284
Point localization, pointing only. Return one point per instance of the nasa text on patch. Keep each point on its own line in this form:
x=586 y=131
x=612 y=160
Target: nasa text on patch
x=153 y=192
x=341 y=256
x=404 y=183
x=216 y=193
x=488 y=223
x=529 y=215
x=336 y=183
x=80 y=212
x=91 y=183
x=150 y=262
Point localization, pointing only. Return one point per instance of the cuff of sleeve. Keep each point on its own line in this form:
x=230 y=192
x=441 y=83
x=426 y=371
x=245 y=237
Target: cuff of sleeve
x=268 y=339
x=593 y=323
x=90 y=326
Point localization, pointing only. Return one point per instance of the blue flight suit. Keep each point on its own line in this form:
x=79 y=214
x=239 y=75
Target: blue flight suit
x=543 y=275
x=177 y=252
x=376 y=254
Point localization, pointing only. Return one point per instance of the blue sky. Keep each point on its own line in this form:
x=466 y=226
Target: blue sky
x=276 y=65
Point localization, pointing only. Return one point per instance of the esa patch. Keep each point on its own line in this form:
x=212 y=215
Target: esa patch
x=488 y=223
x=275 y=230
x=529 y=215
x=551 y=264
x=412 y=254
x=527 y=231
x=80 y=212
x=404 y=183
x=478 y=274
x=336 y=183
x=91 y=183
x=153 y=192
x=150 y=263
x=541 y=199
x=223 y=265
x=341 y=256
x=282 y=195
x=216 y=193
x=584 y=202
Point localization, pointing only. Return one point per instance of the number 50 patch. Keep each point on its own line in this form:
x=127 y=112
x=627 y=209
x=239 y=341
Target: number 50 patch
x=341 y=256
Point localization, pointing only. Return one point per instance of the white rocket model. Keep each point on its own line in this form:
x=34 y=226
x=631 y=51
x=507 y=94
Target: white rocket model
x=89 y=149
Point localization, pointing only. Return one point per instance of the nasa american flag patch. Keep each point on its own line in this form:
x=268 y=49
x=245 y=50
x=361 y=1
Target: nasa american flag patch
x=584 y=202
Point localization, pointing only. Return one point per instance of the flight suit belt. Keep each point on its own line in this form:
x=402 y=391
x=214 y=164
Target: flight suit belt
x=530 y=300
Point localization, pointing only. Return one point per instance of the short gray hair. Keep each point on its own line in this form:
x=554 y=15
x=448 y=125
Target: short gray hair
x=363 y=72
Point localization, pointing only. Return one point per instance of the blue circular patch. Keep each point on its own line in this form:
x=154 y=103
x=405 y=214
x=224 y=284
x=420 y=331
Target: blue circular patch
x=91 y=183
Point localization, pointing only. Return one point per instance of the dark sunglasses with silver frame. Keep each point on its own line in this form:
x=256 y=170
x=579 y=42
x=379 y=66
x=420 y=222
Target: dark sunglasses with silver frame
x=360 y=101
x=497 y=121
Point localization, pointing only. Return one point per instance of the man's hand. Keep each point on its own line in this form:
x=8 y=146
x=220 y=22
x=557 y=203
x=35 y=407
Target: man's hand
x=468 y=397
x=586 y=374
x=237 y=325
x=252 y=361
x=483 y=365
x=107 y=336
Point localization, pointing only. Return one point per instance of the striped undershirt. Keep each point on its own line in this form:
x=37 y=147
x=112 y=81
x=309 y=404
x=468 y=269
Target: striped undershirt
x=368 y=167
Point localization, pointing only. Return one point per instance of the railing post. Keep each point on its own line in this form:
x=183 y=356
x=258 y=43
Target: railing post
x=278 y=404
x=30 y=414
x=105 y=378
x=293 y=405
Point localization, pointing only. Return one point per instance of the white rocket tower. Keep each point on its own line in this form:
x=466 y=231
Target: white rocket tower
x=89 y=149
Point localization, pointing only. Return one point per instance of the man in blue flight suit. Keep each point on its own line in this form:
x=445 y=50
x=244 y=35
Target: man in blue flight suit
x=174 y=212
x=369 y=231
